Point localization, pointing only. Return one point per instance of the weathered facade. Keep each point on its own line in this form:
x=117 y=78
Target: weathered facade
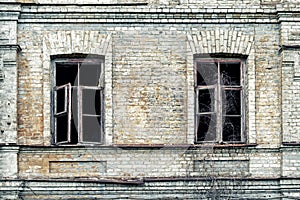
x=148 y=58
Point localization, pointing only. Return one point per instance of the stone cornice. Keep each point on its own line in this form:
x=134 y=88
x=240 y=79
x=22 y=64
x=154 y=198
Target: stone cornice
x=142 y=12
x=147 y=16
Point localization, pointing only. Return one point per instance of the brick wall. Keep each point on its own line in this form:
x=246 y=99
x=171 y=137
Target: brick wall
x=149 y=49
x=151 y=81
x=135 y=162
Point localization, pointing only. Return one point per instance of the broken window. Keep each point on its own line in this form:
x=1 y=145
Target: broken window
x=78 y=101
x=219 y=100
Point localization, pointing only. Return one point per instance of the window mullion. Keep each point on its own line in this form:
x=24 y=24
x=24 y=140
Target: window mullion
x=101 y=81
x=79 y=105
x=69 y=111
x=197 y=107
x=220 y=105
x=197 y=100
x=242 y=101
x=102 y=108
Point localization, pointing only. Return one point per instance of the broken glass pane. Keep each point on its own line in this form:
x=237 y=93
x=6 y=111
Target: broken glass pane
x=231 y=129
x=66 y=73
x=206 y=127
x=74 y=116
x=230 y=73
x=91 y=129
x=206 y=100
x=207 y=73
x=89 y=74
x=91 y=101
x=74 y=129
x=62 y=128
x=232 y=102
x=60 y=100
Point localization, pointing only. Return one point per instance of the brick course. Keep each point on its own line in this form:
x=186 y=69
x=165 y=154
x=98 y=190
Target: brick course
x=149 y=48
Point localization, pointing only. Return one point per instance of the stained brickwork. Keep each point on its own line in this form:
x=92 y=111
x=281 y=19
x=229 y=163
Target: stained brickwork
x=149 y=149
x=149 y=108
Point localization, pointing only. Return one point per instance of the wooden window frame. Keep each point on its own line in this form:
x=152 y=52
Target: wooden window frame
x=218 y=103
x=66 y=111
x=68 y=101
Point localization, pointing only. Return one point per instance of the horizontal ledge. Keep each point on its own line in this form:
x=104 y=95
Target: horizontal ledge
x=291 y=143
x=133 y=181
x=297 y=78
x=135 y=146
x=143 y=22
x=287 y=47
x=142 y=180
x=201 y=178
x=11 y=46
x=76 y=4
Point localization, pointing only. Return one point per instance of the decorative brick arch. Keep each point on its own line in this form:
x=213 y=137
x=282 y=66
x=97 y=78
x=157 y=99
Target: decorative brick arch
x=223 y=42
x=77 y=42
x=220 y=41
x=68 y=42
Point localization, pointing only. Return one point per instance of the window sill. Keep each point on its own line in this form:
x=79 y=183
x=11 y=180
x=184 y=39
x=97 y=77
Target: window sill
x=225 y=145
x=291 y=143
x=77 y=145
x=204 y=145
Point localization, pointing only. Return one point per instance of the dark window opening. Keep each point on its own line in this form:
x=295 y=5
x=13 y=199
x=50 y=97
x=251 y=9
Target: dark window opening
x=66 y=73
x=219 y=100
x=78 y=101
x=206 y=127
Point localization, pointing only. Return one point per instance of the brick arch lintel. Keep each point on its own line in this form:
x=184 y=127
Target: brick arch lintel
x=70 y=42
x=220 y=41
